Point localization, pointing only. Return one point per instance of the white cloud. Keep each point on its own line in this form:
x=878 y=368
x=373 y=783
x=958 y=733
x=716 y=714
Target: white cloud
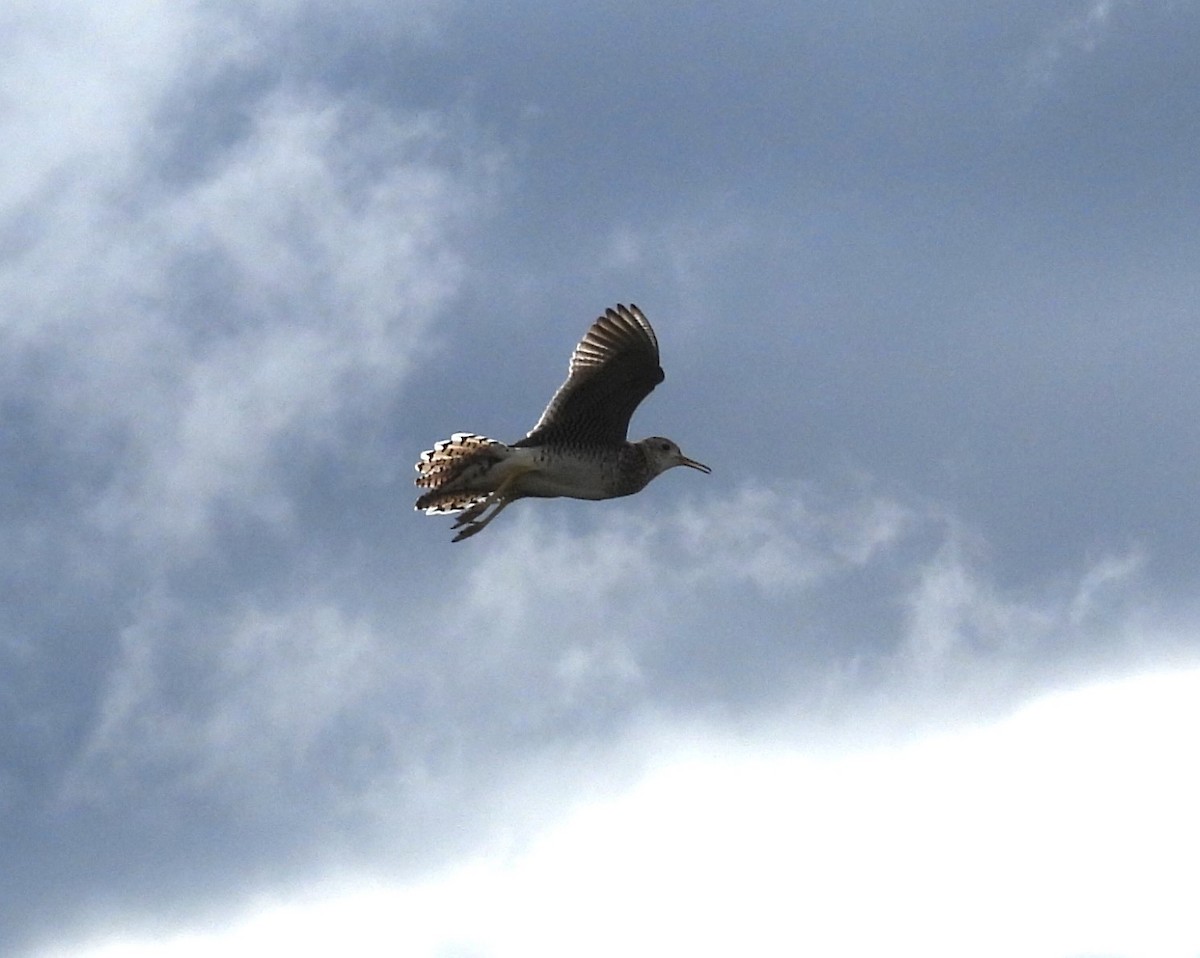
x=542 y=632
x=1078 y=35
x=961 y=628
x=782 y=544
x=1066 y=829
x=335 y=271
x=80 y=82
x=769 y=538
x=181 y=318
x=584 y=612
x=194 y=311
x=235 y=710
x=776 y=538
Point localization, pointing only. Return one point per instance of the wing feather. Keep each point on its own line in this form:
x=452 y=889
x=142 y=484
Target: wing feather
x=614 y=367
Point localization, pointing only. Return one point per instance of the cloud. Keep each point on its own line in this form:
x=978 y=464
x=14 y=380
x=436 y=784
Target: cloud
x=234 y=710
x=241 y=676
x=184 y=320
x=413 y=722
x=216 y=275
x=1075 y=36
x=771 y=537
x=332 y=271
x=856 y=596
x=955 y=614
x=80 y=84
x=542 y=627
x=540 y=596
x=541 y=635
x=683 y=254
x=1064 y=829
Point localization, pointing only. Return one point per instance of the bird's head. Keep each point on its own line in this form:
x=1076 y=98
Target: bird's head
x=662 y=454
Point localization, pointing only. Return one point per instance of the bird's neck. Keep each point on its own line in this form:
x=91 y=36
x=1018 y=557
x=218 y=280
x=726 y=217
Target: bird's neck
x=635 y=468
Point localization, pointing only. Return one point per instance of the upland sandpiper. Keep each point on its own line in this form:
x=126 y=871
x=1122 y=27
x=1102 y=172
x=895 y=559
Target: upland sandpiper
x=577 y=449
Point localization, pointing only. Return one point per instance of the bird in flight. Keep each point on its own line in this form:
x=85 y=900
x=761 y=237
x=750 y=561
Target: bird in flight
x=577 y=449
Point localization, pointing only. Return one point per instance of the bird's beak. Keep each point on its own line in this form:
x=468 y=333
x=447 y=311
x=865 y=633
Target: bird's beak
x=691 y=463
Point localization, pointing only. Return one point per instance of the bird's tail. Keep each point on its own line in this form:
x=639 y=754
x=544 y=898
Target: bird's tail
x=443 y=471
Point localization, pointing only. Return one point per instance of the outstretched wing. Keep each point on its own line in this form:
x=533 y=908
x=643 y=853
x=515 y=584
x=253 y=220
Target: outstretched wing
x=614 y=367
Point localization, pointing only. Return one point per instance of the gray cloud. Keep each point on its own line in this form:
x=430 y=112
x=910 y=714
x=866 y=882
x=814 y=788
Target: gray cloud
x=939 y=351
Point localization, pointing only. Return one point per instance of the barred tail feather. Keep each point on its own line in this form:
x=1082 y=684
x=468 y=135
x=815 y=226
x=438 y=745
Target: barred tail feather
x=441 y=471
x=446 y=503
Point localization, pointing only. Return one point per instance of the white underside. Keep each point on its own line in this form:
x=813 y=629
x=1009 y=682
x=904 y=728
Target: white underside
x=572 y=479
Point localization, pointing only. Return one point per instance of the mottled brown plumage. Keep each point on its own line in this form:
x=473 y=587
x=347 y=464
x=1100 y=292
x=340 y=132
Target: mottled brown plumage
x=578 y=447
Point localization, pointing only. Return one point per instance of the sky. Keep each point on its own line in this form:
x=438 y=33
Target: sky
x=915 y=670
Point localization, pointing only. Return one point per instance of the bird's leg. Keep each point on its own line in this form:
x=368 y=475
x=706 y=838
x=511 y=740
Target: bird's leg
x=473 y=512
x=469 y=519
x=478 y=525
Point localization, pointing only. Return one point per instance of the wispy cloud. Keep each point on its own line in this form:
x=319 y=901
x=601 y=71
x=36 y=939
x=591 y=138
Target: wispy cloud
x=1078 y=35
x=542 y=629
x=955 y=613
x=233 y=710
x=212 y=270
x=570 y=611
x=322 y=273
x=183 y=323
